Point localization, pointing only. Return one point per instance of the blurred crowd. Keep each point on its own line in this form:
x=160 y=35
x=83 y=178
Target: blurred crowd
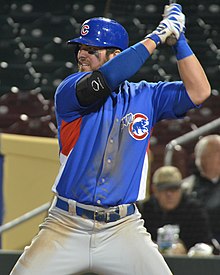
x=182 y=215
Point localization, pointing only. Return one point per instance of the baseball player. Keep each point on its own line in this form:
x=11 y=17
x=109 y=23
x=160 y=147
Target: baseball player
x=104 y=125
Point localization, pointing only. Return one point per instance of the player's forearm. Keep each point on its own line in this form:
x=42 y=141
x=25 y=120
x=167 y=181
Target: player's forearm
x=194 y=79
x=191 y=71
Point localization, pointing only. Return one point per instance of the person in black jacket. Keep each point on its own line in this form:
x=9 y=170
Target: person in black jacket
x=168 y=205
x=204 y=184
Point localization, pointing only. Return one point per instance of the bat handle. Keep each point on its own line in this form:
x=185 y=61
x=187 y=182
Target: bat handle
x=171 y=40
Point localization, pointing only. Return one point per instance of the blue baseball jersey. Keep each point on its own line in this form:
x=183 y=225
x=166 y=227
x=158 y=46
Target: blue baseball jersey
x=104 y=147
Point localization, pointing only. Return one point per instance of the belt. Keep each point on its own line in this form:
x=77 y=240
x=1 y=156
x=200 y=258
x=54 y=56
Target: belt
x=99 y=215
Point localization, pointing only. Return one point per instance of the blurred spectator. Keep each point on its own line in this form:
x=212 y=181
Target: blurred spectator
x=204 y=184
x=169 y=205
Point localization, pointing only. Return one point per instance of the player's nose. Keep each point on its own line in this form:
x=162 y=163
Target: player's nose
x=82 y=52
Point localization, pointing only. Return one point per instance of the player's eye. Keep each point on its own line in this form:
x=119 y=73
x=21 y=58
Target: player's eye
x=93 y=50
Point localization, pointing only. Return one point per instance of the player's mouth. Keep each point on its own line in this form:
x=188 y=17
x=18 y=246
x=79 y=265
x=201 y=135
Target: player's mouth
x=84 y=67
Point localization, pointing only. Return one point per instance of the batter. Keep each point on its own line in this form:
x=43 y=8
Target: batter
x=104 y=126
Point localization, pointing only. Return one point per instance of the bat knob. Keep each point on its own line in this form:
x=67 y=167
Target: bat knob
x=171 y=40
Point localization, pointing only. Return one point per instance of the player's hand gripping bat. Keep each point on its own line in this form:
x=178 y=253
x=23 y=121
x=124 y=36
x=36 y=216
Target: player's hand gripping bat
x=171 y=40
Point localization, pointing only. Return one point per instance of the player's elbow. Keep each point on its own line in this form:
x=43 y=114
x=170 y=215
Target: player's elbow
x=201 y=93
x=205 y=93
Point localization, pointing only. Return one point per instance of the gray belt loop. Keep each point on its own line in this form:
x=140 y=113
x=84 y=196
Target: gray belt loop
x=54 y=201
x=72 y=207
x=122 y=210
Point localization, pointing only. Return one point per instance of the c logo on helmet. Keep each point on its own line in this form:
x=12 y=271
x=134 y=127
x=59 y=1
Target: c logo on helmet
x=84 y=29
x=138 y=129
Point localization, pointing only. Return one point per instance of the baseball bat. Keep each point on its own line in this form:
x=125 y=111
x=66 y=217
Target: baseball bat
x=171 y=40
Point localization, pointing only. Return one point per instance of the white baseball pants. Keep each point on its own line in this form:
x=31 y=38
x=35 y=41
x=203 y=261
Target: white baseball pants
x=68 y=244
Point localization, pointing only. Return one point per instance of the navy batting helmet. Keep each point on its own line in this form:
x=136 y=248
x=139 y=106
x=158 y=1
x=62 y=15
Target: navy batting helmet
x=102 y=32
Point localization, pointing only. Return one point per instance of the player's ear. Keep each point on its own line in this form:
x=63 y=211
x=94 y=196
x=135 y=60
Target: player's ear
x=113 y=54
x=116 y=52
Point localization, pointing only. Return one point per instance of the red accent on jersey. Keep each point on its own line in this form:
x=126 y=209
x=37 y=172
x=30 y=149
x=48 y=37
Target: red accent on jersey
x=69 y=134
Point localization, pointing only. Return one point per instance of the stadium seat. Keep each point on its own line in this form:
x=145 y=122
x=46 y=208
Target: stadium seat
x=33 y=127
x=17 y=75
x=25 y=102
x=8 y=31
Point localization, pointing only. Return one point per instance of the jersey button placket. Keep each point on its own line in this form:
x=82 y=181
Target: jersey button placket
x=111 y=149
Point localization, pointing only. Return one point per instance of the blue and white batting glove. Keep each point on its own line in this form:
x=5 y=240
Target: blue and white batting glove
x=174 y=12
x=172 y=9
x=165 y=29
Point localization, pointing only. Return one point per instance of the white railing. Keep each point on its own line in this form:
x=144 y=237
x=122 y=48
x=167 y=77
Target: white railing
x=25 y=217
x=190 y=136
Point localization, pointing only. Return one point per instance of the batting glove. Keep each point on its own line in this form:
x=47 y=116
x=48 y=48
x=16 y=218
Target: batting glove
x=181 y=48
x=165 y=29
x=174 y=12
